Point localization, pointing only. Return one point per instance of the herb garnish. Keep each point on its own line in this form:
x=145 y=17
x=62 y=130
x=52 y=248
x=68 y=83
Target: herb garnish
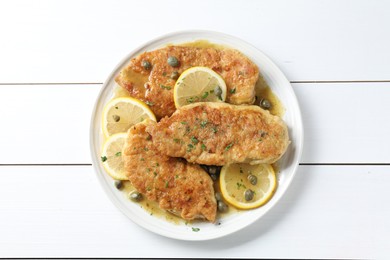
x=165 y=87
x=104 y=158
x=203 y=123
x=190 y=147
x=194 y=140
x=195 y=229
x=228 y=146
x=118 y=154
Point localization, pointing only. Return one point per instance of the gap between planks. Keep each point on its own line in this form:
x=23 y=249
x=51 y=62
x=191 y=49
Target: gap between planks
x=292 y=82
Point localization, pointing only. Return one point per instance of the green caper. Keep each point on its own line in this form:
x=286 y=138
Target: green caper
x=252 y=179
x=213 y=176
x=175 y=75
x=118 y=184
x=146 y=64
x=218 y=196
x=249 y=194
x=264 y=103
x=212 y=169
x=116 y=118
x=218 y=92
x=222 y=207
x=173 y=61
x=135 y=196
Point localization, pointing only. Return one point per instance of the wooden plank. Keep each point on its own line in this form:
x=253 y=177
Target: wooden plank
x=46 y=123
x=81 y=41
x=328 y=212
x=343 y=123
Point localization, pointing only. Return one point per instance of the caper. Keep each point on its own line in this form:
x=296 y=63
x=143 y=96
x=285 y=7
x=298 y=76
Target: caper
x=173 y=61
x=252 y=179
x=218 y=92
x=214 y=177
x=146 y=64
x=218 y=196
x=249 y=194
x=264 y=103
x=205 y=167
x=118 y=184
x=212 y=169
x=135 y=196
x=175 y=75
x=222 y=207
x=116 y=118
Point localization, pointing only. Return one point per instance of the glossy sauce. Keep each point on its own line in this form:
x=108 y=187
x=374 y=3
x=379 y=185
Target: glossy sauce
x=262 y=91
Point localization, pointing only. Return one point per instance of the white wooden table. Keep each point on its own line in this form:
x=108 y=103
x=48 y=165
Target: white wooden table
x=54 y=56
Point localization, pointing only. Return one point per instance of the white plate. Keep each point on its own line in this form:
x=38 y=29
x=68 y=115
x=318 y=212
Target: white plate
x=234 y=222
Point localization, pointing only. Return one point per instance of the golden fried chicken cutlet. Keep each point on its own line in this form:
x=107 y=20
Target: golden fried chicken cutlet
x=179 y=187
x=219 y=134
x=150 y=78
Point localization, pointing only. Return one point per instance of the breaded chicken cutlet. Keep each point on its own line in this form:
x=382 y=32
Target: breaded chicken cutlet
x=179 y=187
x=150 y=78
x=219 y=134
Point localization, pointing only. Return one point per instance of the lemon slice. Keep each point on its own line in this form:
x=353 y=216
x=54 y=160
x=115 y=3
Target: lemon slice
x=121 y=113
x=199 y=84
x=111 y=156
x=247 y=186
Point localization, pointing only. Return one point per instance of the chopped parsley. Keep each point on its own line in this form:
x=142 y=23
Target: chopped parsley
x=239 y=185
x=214 y=129
x=203 y=123
x=233 y=90
x=165 y=87
x=166 y=184
x=118 y=154
x=203 y=146
x=176 y=140
x=205 y=95
x=183 y=122
x=195 y=229
x=194 y=140
x=104 y=158
x=190 y=147
x=191 y=99
x=227 y=148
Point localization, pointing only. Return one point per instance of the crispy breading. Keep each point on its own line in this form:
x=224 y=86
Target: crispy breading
x=180 y=187
x=155 y=85
x=219 y=134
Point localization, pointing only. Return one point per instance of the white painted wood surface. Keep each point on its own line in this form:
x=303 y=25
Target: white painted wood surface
x=54 y=56
x=342 y=209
